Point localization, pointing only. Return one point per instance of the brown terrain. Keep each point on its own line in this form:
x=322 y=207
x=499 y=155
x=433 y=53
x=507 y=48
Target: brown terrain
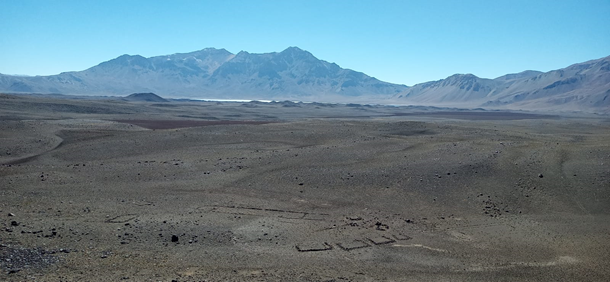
x=109 y=190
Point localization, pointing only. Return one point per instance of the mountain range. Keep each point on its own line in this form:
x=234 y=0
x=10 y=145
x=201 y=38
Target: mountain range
x=296 y=74
x=212 y=73
x=582 y=87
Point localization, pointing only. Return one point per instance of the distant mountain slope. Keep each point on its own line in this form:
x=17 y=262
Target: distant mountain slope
x=295 y=73
x=211 y=73
x=583 y=86
x=458 y=88
x=523 y=74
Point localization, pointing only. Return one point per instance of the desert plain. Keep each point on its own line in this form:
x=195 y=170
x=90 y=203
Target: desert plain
x=111 y=190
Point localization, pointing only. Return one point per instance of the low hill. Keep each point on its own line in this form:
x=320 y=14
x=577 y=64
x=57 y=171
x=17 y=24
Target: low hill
x=144 y=97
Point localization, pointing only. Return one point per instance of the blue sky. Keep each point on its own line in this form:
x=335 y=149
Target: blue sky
x=405 y=42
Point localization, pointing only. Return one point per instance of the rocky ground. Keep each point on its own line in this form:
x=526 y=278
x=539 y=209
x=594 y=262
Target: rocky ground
x=299 y=192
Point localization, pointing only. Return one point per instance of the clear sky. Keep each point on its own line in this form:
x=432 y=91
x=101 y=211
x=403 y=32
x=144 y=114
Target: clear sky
x=402 y=41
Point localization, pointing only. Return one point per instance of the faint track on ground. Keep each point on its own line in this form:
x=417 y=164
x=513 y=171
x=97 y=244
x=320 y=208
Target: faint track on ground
x=32 y=157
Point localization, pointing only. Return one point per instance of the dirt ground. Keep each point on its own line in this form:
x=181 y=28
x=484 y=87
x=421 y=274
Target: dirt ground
x=299 y=192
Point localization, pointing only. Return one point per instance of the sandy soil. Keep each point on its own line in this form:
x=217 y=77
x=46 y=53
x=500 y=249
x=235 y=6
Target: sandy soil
x=308 y=192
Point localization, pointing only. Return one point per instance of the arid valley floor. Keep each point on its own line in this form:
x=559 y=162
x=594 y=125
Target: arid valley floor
x=109 y=190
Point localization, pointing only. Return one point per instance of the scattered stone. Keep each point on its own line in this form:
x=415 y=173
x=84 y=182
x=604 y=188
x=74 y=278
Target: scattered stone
x=174 y=238
x=381 y=227
x=540 y=175
x=14 y=223
x=11 y=214
x=15 y=258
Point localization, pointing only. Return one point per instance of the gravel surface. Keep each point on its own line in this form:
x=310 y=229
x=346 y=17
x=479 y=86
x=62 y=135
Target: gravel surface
x=367 y=195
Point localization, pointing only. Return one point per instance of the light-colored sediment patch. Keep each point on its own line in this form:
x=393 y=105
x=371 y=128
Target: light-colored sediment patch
x=420 y=246
x=561 y=260
x=460 y=236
